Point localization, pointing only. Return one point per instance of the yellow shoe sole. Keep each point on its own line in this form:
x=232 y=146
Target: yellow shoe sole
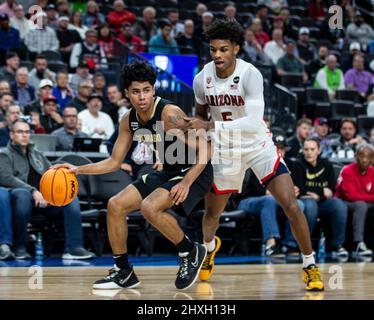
x=205 y=274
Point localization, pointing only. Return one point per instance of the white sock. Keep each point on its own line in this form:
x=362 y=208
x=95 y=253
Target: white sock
x=308 y=260
x=183 y=254
x=210 y=245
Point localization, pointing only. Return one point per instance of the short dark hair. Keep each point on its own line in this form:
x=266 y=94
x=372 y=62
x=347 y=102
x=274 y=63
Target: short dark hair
x=226 y=30
x=6 y=94
x=162 y=23
x=140 y=71
x=40 y=57
x=10 y=55
x=112 y=85
x=18 y=120
x=173 y=10
x=70 y=106
x=260 y=7
x=304 y=121
x=350 y=120
x=315 y=139
x=62 y=72
x=98 y=75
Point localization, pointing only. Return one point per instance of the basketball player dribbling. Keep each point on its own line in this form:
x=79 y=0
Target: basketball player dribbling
x=232 y=89
x=181 y=182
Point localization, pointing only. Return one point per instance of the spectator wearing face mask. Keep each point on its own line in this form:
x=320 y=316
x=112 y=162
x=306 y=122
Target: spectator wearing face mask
x=360 y=31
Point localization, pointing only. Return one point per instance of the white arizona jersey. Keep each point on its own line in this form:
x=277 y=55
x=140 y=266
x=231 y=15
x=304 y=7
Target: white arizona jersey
x=241 y=139
x=238 y=99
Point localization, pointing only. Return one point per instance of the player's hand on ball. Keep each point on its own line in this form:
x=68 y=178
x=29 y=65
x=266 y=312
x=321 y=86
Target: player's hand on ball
x=72 y=169
x=179 y=192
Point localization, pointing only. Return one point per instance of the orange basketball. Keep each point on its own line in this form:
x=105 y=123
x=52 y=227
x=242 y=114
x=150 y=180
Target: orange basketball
x=59 y=187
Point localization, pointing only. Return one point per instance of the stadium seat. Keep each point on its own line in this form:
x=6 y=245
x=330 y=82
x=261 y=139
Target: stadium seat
x=292 y=80
x=293 y=3
x=347 y=94
x=189 y=5
x=106 y=9
x=166 y=4
x=365 y=123
x=307 y=22
x=297 y=11
x=244 y=8
x=342 y=108
x=216 y=6
x=186 y=14
x=322 y=110
x=294 y=20
x=317 y=103
x=52 y=55
x=27 y=64
x=144 y=3
x=57 y=66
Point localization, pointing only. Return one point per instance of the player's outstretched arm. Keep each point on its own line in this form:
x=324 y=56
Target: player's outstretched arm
x=113 y=163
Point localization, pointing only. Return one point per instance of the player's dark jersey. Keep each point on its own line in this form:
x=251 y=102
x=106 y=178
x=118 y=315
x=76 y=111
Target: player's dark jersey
x=167 y=149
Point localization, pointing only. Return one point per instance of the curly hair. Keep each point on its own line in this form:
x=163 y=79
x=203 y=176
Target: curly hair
x=226 y=30
x=140 y=71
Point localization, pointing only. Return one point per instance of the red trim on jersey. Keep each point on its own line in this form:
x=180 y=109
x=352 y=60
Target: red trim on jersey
x=223 y=191
x=274 y=170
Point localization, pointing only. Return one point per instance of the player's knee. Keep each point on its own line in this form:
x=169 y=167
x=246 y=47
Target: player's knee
x=114 y=208
x=292 y=210
x=212 y=215
x=147 y=209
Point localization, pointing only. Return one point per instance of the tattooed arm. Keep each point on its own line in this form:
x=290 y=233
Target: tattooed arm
x=174 y=123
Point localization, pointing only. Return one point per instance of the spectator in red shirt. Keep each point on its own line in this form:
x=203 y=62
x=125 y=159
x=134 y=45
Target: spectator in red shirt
x=316 y=10
x=134 y=43
x=260 y=35
x=119 y=16
x=356 y=186
x=106 y=40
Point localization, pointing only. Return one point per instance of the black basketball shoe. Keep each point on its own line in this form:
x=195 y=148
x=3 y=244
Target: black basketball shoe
x=190 y=266
x=117 y=279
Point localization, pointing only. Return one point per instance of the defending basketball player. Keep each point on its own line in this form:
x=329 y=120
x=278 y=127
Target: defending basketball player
x=233 y=91
x=180 y=183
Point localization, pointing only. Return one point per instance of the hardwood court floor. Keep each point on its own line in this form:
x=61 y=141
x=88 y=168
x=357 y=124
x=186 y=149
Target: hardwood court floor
x=229 y=282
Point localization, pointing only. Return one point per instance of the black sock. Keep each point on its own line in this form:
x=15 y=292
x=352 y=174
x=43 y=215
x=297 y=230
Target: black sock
x=186 y=245
x=122 y=261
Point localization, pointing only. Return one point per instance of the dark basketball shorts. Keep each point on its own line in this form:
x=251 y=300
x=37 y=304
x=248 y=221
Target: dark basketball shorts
x=148 y=183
